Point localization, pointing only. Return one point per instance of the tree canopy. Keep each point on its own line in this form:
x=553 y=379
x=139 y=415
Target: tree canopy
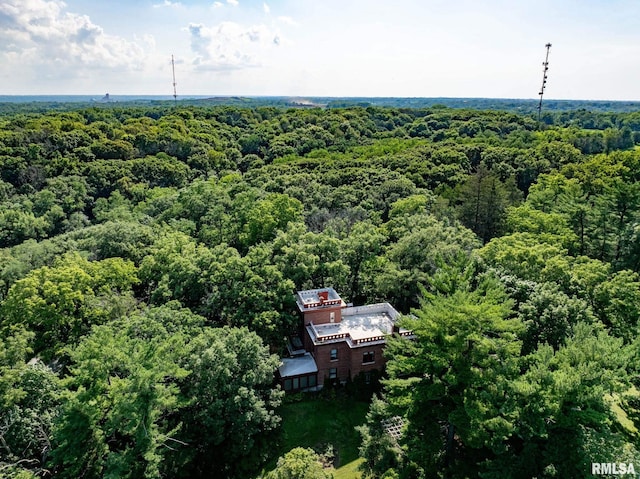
x=150 y=253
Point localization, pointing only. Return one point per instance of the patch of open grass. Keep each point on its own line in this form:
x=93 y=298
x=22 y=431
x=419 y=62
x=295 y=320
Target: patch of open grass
x=348 y=471
x=319 y=423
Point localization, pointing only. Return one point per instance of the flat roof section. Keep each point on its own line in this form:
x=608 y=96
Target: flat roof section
x=297 y=366
x=311 y=299
x=359 y=326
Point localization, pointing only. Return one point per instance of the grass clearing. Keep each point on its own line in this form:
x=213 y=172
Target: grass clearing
x=320 y=423
x=348 y=471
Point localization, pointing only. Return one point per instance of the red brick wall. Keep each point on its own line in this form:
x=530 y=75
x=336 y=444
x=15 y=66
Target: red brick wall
x=308 y=343
x=356 y=359
x=322 y=356
x=322 y=316
x=349 y=363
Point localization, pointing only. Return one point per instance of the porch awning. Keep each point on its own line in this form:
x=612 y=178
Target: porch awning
x=297 y=366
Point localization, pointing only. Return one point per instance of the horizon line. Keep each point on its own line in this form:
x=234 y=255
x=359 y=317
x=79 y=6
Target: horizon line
x=205 y=96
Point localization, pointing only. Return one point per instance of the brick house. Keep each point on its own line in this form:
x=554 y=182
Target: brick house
x=336 y=342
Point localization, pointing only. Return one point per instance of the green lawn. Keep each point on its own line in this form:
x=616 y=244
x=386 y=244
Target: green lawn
x=319 y=422
x=348 y=471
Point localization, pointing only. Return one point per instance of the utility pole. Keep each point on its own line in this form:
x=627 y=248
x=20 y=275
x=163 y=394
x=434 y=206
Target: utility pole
x=544 y=80
x=173 y=69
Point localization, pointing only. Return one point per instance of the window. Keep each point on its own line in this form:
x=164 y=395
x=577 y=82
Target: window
x=368 y=357
x=302 y=382
x=333 y=373
x=334 y=354
x=367 y=377
x=332 y=317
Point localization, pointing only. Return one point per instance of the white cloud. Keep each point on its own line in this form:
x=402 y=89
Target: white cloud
x=42 y=33
x=217 y=5
x=230 y=46
x=167 y=3
x=266 y=8
x=233 y=2
x=287 y=20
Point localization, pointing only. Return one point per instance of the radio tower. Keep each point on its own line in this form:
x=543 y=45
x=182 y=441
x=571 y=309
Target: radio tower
x=173 y=70
x=544 y=80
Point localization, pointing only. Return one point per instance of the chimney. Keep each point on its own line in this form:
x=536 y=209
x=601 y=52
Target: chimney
x=323 y=295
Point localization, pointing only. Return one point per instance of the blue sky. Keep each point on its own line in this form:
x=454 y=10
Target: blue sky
x=428 y=48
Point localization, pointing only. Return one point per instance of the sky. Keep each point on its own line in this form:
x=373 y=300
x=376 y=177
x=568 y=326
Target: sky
x=369 y=48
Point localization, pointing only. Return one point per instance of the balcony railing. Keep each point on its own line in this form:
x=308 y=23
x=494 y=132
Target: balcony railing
x=345 y=336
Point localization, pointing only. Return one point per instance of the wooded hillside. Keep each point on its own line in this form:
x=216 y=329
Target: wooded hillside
x=149 y=257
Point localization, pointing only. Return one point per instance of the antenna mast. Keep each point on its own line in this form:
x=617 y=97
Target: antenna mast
x=545 y=64
x=173 y=69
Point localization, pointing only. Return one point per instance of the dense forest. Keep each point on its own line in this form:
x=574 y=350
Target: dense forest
x=11 y=104
x=150 y=254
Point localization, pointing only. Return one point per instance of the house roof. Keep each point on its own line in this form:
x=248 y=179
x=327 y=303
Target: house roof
x=312 y=299
x=297 y=366
x=360 y=326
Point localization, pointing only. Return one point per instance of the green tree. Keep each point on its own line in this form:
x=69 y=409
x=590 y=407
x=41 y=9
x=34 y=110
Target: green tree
x=527 y=257
x=174 y=269
x=127 y=240
x=624 y=199
x=250 y=291
x=449 y=382
x=61 y=303
x=550 y=316
x=483 y=200
x=359 y=249
x=617 y=304
x=122 y=391
x=310 y=260
x=423 y=243
x=268 y=215
x=551 y=228
x=17 y=226
x=566 y=420
x=231 y=417
x=299 y=463
x=29 y=402
x=28 y=411
x=381 y=451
